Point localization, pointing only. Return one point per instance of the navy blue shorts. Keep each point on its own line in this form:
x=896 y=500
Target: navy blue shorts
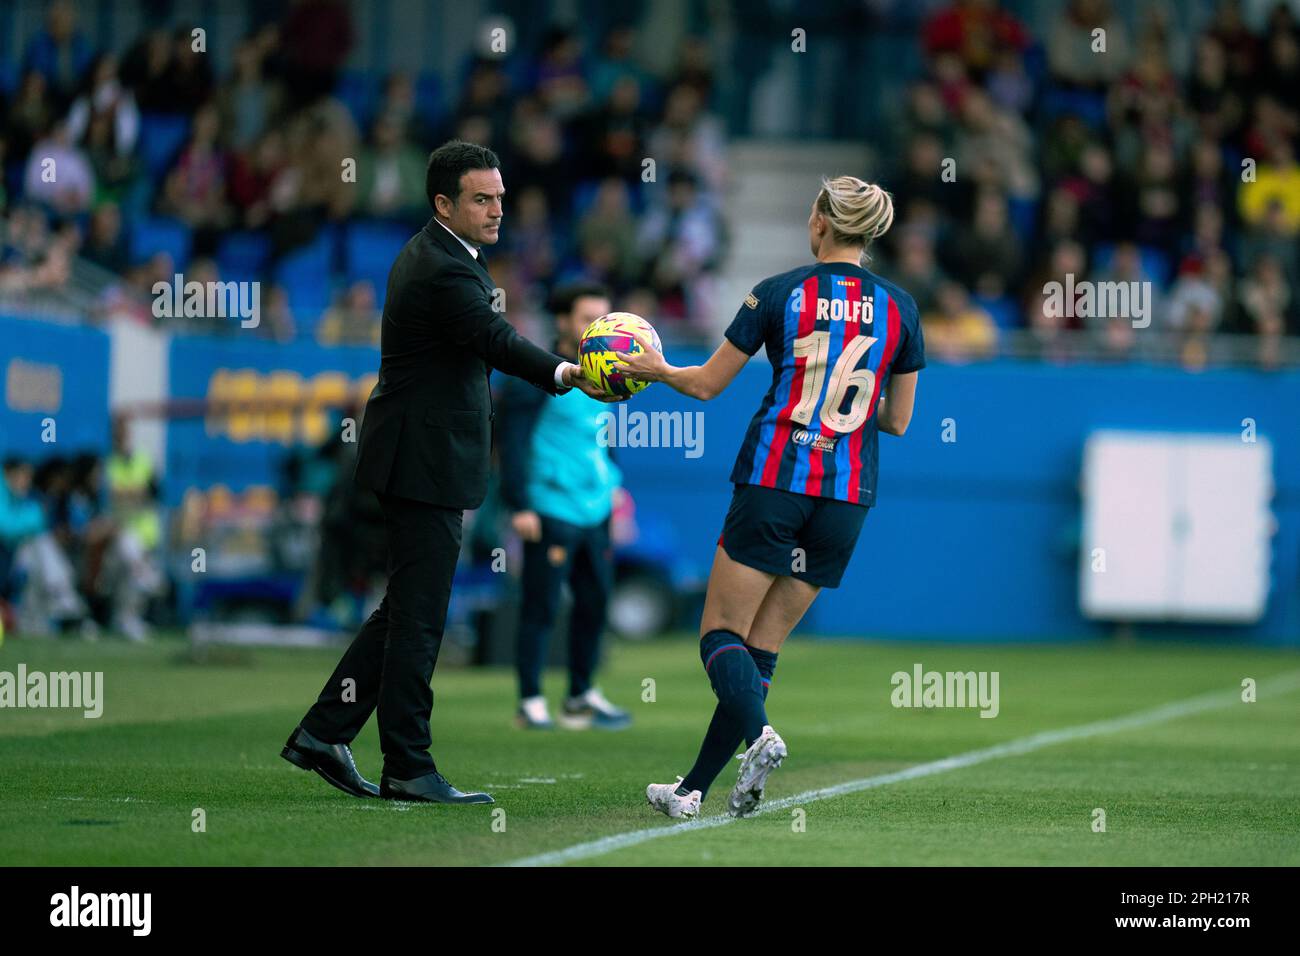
x=765 y=526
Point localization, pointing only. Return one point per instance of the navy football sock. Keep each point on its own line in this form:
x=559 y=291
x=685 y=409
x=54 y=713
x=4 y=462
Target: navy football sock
x=724 y=734
x=735 y=679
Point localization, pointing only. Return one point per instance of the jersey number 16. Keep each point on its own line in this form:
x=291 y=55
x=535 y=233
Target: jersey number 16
x=815 y=348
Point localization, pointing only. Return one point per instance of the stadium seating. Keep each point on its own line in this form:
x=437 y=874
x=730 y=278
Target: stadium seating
x=305 y=273
x=162 y=135
x=370 y=247
x=161 y=234
x=243 y=255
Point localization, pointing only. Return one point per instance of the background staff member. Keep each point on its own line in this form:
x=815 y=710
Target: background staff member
x=560 y=481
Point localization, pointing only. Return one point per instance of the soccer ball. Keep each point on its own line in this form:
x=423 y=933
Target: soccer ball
x=609 y=334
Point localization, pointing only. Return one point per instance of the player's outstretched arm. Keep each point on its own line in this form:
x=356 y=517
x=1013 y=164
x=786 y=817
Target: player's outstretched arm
x=698 y=381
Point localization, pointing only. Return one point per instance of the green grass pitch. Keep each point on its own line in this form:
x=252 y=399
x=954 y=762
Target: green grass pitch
x=1218 y=786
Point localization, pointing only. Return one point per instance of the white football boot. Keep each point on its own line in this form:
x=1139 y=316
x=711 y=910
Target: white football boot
x=532 y=714
x=593 y=709
x=764 y=756
x=665 y=798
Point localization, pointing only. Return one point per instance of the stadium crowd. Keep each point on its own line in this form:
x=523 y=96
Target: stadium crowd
x=1153 y=156
x=79 y=539
x=289 y=166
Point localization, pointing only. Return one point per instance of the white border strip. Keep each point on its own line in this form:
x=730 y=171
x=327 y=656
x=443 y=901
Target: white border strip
x=1194 y=705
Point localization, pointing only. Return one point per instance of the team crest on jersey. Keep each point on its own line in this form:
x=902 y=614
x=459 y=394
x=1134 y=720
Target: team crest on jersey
x=816 y=439
x=751 y=300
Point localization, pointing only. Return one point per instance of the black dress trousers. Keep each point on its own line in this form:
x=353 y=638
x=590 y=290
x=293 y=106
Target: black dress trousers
x=391 y=660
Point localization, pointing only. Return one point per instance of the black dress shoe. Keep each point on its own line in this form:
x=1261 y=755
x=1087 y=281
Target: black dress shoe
x=333 y=762
x=431 y=788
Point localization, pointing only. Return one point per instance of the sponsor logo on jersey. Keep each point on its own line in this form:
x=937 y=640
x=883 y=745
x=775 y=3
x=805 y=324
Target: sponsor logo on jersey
x=817 y=440
x=751 y=300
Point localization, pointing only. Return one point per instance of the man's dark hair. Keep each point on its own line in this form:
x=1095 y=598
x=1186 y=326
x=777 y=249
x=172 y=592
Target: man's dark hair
x=564 y=297
x=449 y=162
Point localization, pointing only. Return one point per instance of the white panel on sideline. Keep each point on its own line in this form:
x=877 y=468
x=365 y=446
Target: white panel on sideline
x=1176 y=527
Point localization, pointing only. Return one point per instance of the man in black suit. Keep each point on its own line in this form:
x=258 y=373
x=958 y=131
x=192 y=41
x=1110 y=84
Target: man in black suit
x=424 y=446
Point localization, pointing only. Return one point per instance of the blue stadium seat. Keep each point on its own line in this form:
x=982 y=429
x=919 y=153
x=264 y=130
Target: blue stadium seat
x=1086 y=105
x=307 y=274
x=161 y=137
x=160 y=234
x=1035 y=61
x=1005 y=312
x=1023 y=214
x=1155 y=263
x=8 y=77
x=428 y=97
x=359 y=92
x=370 y=247
x=584 y=195
x=243 y=255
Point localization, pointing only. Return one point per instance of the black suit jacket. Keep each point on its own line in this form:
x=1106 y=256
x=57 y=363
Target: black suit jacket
x=427 y=429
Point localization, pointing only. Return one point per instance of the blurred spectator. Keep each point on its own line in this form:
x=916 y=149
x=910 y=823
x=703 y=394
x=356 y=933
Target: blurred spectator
x=610 y=223
x=1072 y=57
x=399 y=106
x=999 y=140
x=185 y=81
x=390 y=175
x=103 y=95
x=354 y=320
x=986 y=254
x=195 y=189
x=691 y=138
x=131 y=574
x=247 y=102
x=680 y=241
x=1197 y=307
x=276 y=321
x=145 y=70
x=560 y=81
x=316 y=37
x=916 y=268
x=976 y=31
x=1112 y=328
x=955 y=329
x=1277 y=185
x=58 y=52
x=611 y=138
x=30 y=114
x=47 y=597
x=35 y=259
x=105 y=243
x=58 y=175
x=1152 y=199
x=254 y=182
x=531 y=240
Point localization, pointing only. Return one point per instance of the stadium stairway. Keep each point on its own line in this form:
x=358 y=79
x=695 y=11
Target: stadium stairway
x=773 y=185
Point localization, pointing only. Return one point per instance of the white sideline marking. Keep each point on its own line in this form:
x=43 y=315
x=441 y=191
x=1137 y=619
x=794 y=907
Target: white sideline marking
x=1193 y=705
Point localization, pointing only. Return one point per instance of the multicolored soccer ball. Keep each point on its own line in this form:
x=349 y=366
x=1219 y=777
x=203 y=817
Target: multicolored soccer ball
x=609 y=334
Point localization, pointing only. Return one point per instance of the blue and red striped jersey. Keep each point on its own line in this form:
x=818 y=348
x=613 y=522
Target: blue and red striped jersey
x=834 y=333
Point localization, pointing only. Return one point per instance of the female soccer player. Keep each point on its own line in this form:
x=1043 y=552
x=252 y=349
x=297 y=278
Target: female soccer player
x=838 y=336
